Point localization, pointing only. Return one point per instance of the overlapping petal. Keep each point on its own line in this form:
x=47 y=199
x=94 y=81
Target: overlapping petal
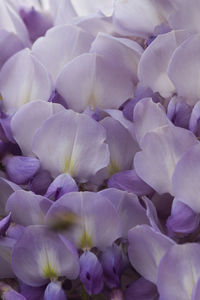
x=17 y=90
x=93 y=73
x=75 y=145
x=66 y=42
x=161 y=151
x=45 y=255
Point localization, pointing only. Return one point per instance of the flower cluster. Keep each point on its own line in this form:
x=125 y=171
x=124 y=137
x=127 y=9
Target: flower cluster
x=99 y=149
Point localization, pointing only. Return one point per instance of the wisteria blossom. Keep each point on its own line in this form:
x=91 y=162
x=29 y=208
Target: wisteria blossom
x=99 y=149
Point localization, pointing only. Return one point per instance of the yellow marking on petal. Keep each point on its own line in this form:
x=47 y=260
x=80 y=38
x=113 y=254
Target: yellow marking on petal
x=49 y=271
x=113 y=167
x=86 y=241
x=92 y=100
x=4 y=288
x=1 y=98
x=69 y=166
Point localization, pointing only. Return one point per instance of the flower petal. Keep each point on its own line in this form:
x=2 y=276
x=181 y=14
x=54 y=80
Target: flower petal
x=93 y=74
x=80 y=149
x=62 y=43
x=29 y=86
x=179 y=269
x=146 y=249
x=27 y=208
x=40 y=255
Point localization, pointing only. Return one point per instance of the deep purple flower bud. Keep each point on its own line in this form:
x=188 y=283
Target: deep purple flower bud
x=179 y=112
x=20 y=169
x=62 y=184
x=91 y=274
x=4 y=224
x=54 y=291
x=37 y=23
x=194 y=124
x=111 y=261
x=13 y=295
x=183 y=219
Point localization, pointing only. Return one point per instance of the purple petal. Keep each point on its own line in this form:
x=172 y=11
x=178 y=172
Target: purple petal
x=194 y=124
x=152 y=214
x=179 y=112
x=17 y=90
x=186 y=178
x=153 y=67
x=127 y=18
x=28 y=119
x=40 y=183
x=161 y=152
x=129 y=181
x=32 y=293
x=63 y=43
x=15 y=231
x=99 y=93
x=13 y=295
x=37 y=23
x=91 y=273
x=130 y=105
x=128 y=207
x=73 y=153
x=185 y=17
x=118 y=115
x=27 y=208
x=54 y=291
x=180 y=270
x=11 y=21
x=21 y=169
x=119 y=141
x=111 y=260
x=126 y=52
x=79 y=214
x=146 y=249
x=183 y=219
x=10 y=44
x=196 y=291
x=62 y=184
x=181 y=69
x=142 y=289
x=148 y=116
x=40 y=255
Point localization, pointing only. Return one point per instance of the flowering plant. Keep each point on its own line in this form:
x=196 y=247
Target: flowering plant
x=99 y=148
